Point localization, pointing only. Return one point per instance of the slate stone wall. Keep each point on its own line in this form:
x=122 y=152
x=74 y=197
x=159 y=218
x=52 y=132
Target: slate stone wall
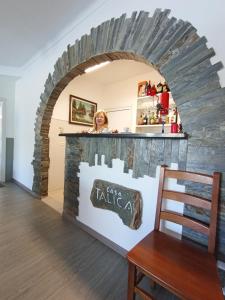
x=140 y=155
x=174 y=48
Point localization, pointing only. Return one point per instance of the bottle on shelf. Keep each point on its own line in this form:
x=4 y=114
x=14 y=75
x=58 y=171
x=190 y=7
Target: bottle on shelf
x=145 y=119
x=149 y=88
x=172 y=113
x=175 y=114
x=152 y=118
x=146 y=88
x=174 y=125
x=163 y=120
x=159 y=87
x=180 y=128
x=164 y=101
x=157 y=121
x=157 y=108
x=140 y=120
x=174 y=128
x=153 y=90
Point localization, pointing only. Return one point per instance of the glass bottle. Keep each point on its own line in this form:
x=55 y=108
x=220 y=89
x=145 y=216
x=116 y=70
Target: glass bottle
x=149 y=89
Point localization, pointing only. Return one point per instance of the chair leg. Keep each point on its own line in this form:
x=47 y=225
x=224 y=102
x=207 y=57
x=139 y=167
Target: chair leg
x=132 y=271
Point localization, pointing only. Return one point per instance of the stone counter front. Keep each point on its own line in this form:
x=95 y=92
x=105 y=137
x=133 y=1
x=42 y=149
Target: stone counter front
x=138 y=157
x=140 y=152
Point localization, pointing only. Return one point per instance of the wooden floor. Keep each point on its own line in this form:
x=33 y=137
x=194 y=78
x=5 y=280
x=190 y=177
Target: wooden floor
x=43 y=256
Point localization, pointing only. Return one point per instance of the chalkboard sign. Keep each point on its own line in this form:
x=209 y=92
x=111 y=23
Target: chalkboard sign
x=127 y=203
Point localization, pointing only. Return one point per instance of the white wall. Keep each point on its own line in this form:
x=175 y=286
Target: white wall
x=80 y=87
x=7 y=91
x=7 y=99
x=108 y=223
x=207 y=16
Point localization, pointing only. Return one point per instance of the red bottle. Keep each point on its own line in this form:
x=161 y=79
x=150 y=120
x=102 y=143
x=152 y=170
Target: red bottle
x=174 y=128
x=153 y=91
x=164 y=101
x=149 y=89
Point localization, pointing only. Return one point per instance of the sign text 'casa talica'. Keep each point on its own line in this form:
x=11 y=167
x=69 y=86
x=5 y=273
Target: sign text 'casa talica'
x=127 y=203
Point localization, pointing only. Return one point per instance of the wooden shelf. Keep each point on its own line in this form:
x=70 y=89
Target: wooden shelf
x=147 y=105
x=151 y=97
x=153 y=125
x=145 y=97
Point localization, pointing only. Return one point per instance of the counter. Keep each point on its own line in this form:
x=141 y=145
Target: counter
x=129 y=135
x=126 y=159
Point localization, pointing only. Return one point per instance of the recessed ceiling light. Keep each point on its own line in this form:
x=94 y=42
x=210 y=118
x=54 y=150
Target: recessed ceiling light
x=96 y=67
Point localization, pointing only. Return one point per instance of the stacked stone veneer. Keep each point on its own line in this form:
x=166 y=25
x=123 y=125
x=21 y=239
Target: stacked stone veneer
x=141 y=155
x=174 y=48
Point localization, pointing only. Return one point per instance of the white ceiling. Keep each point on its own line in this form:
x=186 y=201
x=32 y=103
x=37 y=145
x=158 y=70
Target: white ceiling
x=118 y=70
x=28 y=25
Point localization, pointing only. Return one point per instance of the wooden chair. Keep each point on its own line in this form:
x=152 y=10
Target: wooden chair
x=182 y=267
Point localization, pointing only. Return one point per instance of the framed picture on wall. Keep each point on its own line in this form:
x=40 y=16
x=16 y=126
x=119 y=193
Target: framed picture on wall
x=141 y=88
x=81 y=111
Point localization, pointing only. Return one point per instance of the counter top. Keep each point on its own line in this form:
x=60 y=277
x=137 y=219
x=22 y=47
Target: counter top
x=129 y=135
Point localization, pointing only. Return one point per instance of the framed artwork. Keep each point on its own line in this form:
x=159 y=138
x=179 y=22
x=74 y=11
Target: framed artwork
x=141 y=88
x=81 y=111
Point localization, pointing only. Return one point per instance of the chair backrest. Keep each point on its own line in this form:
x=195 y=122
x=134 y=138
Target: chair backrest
x=200 y=202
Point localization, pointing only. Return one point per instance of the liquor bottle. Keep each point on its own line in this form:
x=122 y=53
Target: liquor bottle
x=180 y=128
x=175 y=113
x=153 y=90
x=140 y=120
x=149 y=88
x=174 y=126
x=159 y=87
x=148 y=117
x=163 y=119
x=145 y=120
x=152 y=119
x=164 y=101
x=157 y=119
x=146 y=88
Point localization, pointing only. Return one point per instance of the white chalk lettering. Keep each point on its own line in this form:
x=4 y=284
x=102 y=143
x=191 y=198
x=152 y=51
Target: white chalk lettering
x=108 y=198
x=118 y=204
x=113 y=197
x=102 y=197
x=97 y=189
x=128 y=206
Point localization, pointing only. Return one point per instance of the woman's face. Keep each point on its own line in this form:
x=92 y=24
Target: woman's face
x=100 y=119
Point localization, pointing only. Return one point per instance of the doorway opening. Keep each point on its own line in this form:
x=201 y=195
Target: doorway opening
x=115 y=90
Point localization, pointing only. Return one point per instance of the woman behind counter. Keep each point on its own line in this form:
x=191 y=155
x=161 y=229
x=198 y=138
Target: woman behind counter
x=100 y=122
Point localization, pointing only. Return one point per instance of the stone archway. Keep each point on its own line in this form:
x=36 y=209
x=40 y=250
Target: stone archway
x=174 y=48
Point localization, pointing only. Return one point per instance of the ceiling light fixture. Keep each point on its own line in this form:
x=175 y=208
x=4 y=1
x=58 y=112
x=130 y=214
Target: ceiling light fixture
x=96 y=67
